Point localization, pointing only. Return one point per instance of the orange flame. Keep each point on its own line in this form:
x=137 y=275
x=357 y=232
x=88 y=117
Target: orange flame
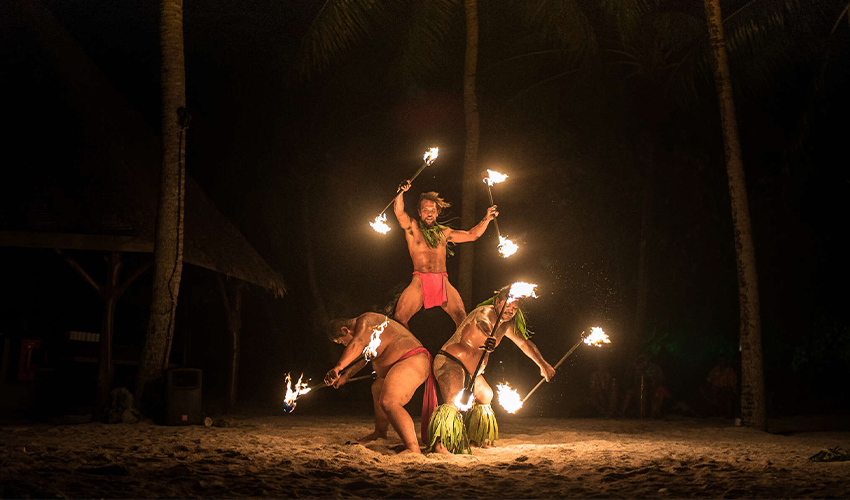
x=597 y=337
x=380 y=224
x=509 y=398
x=292 y=394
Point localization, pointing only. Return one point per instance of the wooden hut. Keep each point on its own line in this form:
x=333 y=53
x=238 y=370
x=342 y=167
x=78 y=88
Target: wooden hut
x=86 y=167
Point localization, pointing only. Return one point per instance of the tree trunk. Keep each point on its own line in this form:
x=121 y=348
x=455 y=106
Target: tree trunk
x=470 y=159
x=643 y=256
x=168 y=245
x=753 y=411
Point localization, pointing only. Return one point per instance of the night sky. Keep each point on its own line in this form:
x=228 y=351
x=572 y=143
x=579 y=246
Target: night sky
x=301 y=167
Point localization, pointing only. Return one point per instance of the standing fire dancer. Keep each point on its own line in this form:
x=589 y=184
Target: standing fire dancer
x=427 y=242
x=456 y=363
x=400 y=363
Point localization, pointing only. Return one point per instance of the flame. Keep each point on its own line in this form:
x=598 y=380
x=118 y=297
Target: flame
x=461 y=404
x=380 y=224
x=509 y=398
x=507 y=247
x=521 y=289
x=431 y=155
x=292 y=394
x=597 y=337
x=494 y=177
x=371 y=350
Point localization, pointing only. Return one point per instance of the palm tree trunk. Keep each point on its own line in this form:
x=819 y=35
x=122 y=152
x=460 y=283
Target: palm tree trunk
x=168 y=245
x=470 y=159
x=753 y=412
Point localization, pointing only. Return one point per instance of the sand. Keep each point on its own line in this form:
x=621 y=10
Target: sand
x=313 y=456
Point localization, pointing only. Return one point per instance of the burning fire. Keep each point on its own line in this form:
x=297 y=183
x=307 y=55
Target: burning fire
x=597 y=337
x=509 y=398
x=380 y=224
x=431 y=155
x=521 y=289
x=460 y=403
x=494 y=177
x=507 y=247
x=371 y=350
x=292 y=394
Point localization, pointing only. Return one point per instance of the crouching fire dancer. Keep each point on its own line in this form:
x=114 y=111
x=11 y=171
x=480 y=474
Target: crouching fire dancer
x=401 y=365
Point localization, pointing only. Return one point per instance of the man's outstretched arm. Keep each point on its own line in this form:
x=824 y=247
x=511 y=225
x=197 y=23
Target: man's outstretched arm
x=404 y=220
x=530 y=349
x=460 y=236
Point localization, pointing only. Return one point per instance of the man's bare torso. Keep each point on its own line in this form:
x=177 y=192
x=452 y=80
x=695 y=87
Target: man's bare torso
x=396 y=341
x=465 y=344
x=425 y=258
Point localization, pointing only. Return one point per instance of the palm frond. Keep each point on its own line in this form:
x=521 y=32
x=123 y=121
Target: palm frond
x=431 y=24
x=339 y=26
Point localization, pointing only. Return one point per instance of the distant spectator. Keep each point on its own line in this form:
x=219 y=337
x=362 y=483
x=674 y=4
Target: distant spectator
x=646 y=394
x=601 y=388
x=721 y=390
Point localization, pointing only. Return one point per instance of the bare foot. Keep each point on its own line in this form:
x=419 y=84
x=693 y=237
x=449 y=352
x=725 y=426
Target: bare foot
x=485 y=445
x=439 y=448
x=408 y=451
x=371 y=437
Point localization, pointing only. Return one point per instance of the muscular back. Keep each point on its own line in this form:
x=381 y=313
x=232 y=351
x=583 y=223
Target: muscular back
x=396 y=340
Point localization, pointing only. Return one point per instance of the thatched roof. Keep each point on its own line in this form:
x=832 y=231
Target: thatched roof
x=89 y=171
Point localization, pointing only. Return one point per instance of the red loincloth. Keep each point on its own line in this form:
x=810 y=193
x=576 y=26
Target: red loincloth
x=429 y=397
x=433 y=287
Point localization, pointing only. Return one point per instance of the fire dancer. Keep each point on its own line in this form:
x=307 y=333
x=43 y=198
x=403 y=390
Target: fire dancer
x=454 y=366
x=400 y=363
x=427 y=242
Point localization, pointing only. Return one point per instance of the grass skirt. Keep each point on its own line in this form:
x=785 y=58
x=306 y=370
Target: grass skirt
x=481 y=425
x=447 y=425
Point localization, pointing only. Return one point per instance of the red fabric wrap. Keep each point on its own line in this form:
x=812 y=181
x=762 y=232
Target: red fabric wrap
x=433 y=287
x=429 y=397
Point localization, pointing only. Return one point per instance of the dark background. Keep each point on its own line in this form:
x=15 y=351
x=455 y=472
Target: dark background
x=301 y=167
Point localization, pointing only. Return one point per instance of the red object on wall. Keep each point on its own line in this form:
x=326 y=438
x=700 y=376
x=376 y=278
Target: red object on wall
x=26 y=364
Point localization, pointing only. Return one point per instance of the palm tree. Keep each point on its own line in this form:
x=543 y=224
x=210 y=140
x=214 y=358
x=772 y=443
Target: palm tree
x=168 y=246
x=753 y=411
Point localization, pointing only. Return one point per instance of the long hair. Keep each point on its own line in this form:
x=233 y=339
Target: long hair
x=435 y=197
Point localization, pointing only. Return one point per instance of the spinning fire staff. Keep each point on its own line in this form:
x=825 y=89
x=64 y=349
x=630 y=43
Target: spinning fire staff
x=509 y=399
x=380 y=222
x=506 y=246
x=369 y=352
x=401 y=365
x=467 y=417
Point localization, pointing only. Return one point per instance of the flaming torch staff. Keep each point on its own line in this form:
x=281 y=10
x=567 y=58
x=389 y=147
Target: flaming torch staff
x=463 y=401
x=380 y=222
x=506 y=246
x=597 y=337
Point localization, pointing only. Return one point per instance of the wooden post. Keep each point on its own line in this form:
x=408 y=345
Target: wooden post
x=233 y=308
